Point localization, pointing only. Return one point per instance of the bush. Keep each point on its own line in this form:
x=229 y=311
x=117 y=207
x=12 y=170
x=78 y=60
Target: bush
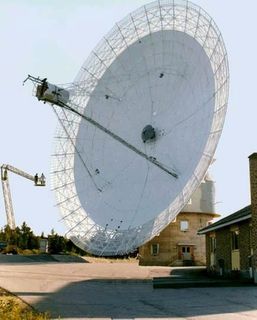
x=10 y=249
x=12 y=308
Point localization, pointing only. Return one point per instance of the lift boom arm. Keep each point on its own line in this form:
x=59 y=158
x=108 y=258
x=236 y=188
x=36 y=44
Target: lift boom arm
x=39 y=181
x=17 y=171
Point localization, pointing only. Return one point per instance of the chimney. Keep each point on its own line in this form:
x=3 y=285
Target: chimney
x=253 y=190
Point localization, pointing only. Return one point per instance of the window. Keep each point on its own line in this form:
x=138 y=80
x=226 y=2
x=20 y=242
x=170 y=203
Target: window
x=185 y=249
x=235 y=236
x=155 y=249
x=184 y=225
x=212 y=244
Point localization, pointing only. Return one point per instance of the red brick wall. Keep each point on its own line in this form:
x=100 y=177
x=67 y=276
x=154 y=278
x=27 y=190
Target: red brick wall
x=223 y=249
x=253 y=184
x=247 y=232
x=208 y=252
x=244 y=245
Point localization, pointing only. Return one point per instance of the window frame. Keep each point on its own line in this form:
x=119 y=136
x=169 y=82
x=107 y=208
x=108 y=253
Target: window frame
x=155 y=249
x=186 y=228
x=213 y=244
x=235 y=240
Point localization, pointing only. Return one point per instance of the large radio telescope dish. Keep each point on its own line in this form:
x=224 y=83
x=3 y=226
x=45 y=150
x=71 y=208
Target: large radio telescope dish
x=158 y=81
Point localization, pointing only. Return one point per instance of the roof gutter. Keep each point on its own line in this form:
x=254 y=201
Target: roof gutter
x=224 y=224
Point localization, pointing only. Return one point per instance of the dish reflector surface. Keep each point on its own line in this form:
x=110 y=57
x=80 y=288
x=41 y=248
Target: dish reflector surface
x=165 y=67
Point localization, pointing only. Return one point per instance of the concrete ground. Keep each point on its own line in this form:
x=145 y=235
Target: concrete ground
x=120 y=291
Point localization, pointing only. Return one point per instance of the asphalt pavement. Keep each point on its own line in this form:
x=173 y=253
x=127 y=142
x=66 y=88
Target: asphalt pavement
x=121 y=291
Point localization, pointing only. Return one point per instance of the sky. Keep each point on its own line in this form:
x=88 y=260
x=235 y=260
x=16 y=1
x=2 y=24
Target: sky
x=52 y=38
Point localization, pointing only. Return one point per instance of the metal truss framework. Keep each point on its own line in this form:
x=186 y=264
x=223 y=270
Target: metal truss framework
x=177 y=15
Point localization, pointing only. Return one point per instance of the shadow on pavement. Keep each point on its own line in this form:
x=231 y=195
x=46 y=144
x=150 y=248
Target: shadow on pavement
x=196 y=277
x=123 y=299
x=40 y=258
x=189 y=272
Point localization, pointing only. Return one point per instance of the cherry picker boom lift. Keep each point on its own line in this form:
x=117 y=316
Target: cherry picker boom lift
x=38 y=182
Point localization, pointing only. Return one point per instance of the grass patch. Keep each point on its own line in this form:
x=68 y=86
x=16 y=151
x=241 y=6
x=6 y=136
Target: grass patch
x=13 y=308
x=109 y=260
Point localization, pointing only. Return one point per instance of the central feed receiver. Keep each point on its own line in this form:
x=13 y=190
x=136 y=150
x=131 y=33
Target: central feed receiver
x=139 y=126
x=148 y=133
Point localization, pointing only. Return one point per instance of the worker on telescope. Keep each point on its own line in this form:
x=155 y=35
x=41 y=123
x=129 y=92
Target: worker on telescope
x=36 y=179
x=44 y=86
x=43 y=179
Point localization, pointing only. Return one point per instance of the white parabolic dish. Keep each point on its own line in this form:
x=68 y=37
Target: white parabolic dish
x=164 y=66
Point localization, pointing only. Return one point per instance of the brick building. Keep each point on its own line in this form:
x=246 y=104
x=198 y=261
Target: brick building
x=231 y=243
x=178 y=244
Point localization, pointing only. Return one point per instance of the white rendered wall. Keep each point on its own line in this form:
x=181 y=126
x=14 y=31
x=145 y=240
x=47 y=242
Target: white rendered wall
x=203 y=199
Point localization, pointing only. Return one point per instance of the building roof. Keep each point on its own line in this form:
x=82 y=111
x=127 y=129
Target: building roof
x=253 y=156
x=238 y=216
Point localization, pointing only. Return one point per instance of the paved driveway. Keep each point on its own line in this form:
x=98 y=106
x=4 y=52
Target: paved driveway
x=121 y=291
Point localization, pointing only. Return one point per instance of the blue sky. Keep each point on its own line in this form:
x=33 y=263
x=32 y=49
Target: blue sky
x=53 y=38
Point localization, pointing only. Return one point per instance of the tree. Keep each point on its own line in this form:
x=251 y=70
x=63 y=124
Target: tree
x=27 y=239
x=56 y=243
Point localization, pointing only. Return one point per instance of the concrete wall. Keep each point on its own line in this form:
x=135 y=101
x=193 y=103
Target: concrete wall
x=203 y=199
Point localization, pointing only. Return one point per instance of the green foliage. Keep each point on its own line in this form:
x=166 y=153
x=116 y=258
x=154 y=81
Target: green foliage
x=10 y=248
x=59 y=244
x=27 y=239
x=56 y=243
x=71 y=248
x=22 y=240
x=12 y=308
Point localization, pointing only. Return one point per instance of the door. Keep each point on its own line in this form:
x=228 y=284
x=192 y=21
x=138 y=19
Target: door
x=186 y=253
x=235 y=259
x=235 y=252
x=212 y=241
